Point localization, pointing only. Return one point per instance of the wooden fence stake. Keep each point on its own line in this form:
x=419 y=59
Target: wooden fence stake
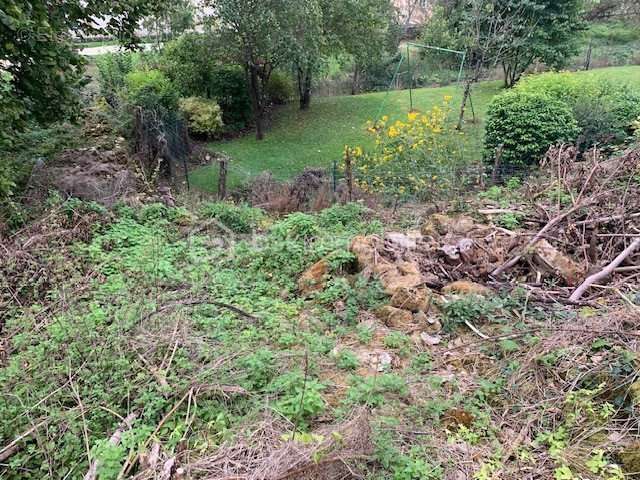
x=222 y=179
x=348 y=171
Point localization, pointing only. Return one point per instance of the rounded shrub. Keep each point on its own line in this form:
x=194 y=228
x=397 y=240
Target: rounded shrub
x=228 y=86
x=525 y=125
x=204 y=116
x=603 y=109
x=280 y=88
x=152 y=91
x=198 y=67
x=189 y=61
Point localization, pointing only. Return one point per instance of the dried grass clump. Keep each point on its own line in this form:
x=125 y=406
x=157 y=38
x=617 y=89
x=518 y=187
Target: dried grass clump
x=266 y=453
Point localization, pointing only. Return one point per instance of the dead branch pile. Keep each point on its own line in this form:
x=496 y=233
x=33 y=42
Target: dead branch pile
x=35 y=259
x=92 y=174
x=269 y=453
x=311 y=190
x=580 y=225
x=577 y=364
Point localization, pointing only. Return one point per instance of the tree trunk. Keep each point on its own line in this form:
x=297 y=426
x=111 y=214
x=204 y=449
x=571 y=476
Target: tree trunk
x=257 y=104
x=304 y=88
x=587 y=62
x=463 y=105
x=477 y=70
x=356 y=79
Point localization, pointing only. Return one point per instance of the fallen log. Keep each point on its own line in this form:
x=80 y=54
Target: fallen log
x=605 y=272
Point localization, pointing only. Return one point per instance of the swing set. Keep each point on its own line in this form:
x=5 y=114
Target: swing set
x=406 y=56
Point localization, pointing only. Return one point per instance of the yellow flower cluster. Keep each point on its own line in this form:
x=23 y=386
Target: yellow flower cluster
x=409 y=154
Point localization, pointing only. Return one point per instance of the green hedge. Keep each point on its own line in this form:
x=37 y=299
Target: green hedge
x=559 y=107
x=525 y=124
x=112 y=71
x=280 y=89
x=151 y=90
x=603 y=109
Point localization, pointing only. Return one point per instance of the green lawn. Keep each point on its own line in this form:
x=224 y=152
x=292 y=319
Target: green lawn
x=317 y=137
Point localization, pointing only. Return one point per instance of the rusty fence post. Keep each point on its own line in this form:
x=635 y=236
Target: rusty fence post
x=348 y=172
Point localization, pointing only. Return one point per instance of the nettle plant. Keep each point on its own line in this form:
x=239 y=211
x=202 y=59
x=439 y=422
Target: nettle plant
x=411 y=158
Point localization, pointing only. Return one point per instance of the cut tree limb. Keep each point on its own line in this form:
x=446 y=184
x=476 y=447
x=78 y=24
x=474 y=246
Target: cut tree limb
x=195 y=302
x=14 y=446
x=605 y=272
x=115 y=439
x=553 y=222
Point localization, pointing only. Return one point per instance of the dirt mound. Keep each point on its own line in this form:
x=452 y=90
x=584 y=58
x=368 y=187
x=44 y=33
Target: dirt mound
x=89 y=174
x=312 y=190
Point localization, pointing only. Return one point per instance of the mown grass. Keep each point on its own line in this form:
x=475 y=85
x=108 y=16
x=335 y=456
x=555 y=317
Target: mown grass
x=317 y=137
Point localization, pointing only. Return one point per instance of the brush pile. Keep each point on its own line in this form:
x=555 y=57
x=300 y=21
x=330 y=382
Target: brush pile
x=577 y=225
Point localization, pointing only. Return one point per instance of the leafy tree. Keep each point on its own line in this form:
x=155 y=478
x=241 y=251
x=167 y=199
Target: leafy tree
x=545 y=31
x=364 y=29
x=37 y=51
x=172 y=19
x=308 y=45
x=511 y=33
x=258 y=31
x=480 y=28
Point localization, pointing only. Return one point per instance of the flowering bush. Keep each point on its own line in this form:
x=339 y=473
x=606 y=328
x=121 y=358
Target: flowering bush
x=415 y=157
x=204 y=116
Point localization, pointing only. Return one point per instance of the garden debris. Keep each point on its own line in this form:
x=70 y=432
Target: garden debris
x=314 y=278
x=430 y=323
x=90 y=174
x=575 y=217
x=441 y=225
x=412 y=299
x=430 y=340
x=28 y=271
x=406 y=241
x=311 y=190
x=465 y=287
x=392 y=275
x=394 y=317
x=550 y=258
x=376 y=361
x=272 y=452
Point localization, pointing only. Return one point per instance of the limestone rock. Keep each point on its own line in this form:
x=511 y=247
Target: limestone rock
x=394 y=317
x=413 y=299
x=392 y=275
x=439 y=224
x=401 y=240
x=464 y=287
x=551 y=259
x=314 y=278
x=429 y=323
x=365 y=251
x=402 y=275
x=430 y=340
